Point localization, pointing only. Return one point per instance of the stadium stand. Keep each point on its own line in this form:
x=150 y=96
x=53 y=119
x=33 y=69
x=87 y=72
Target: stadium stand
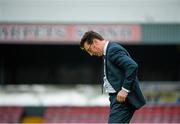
x=148 y=114
x=157 y=114
x=90 y=114
x=10 y=114
x=76 y=114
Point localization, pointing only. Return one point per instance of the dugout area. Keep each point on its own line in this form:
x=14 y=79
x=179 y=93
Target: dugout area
x=68 y=64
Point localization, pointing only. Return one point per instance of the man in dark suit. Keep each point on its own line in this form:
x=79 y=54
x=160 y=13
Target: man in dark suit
x=120 y=76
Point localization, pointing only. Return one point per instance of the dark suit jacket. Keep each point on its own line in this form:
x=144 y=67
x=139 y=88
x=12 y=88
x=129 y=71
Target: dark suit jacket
x=121 y=71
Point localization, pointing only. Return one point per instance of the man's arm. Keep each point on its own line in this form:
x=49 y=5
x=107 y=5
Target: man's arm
x=122 y=60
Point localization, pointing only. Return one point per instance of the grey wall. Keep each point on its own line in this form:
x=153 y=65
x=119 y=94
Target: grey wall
x=90 y=11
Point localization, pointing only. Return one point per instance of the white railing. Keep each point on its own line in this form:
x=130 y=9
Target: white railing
x=81 y=95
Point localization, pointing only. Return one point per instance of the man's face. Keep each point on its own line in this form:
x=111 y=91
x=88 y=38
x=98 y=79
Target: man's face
x=94 y=49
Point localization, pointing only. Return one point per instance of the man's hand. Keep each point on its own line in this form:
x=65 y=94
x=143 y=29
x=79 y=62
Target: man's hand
x=121 y=96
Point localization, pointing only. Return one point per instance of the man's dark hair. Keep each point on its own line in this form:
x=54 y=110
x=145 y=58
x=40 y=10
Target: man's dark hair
x=88 y=37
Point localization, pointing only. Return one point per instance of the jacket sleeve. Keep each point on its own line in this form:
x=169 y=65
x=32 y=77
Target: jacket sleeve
x=123 y=61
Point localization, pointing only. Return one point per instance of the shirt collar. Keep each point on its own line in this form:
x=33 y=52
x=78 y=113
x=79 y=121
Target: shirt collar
x=105 y=48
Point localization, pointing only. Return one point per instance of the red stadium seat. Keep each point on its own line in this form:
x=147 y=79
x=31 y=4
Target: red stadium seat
x=76 y=115
x=10 y=114
x=157 y=114
x=147 y=114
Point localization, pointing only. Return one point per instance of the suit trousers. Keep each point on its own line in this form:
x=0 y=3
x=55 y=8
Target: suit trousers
x=119 y=112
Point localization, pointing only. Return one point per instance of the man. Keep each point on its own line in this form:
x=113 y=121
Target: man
x=120 y=76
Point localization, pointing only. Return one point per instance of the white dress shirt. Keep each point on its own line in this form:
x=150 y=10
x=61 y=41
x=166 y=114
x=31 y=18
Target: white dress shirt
x=107 y=86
